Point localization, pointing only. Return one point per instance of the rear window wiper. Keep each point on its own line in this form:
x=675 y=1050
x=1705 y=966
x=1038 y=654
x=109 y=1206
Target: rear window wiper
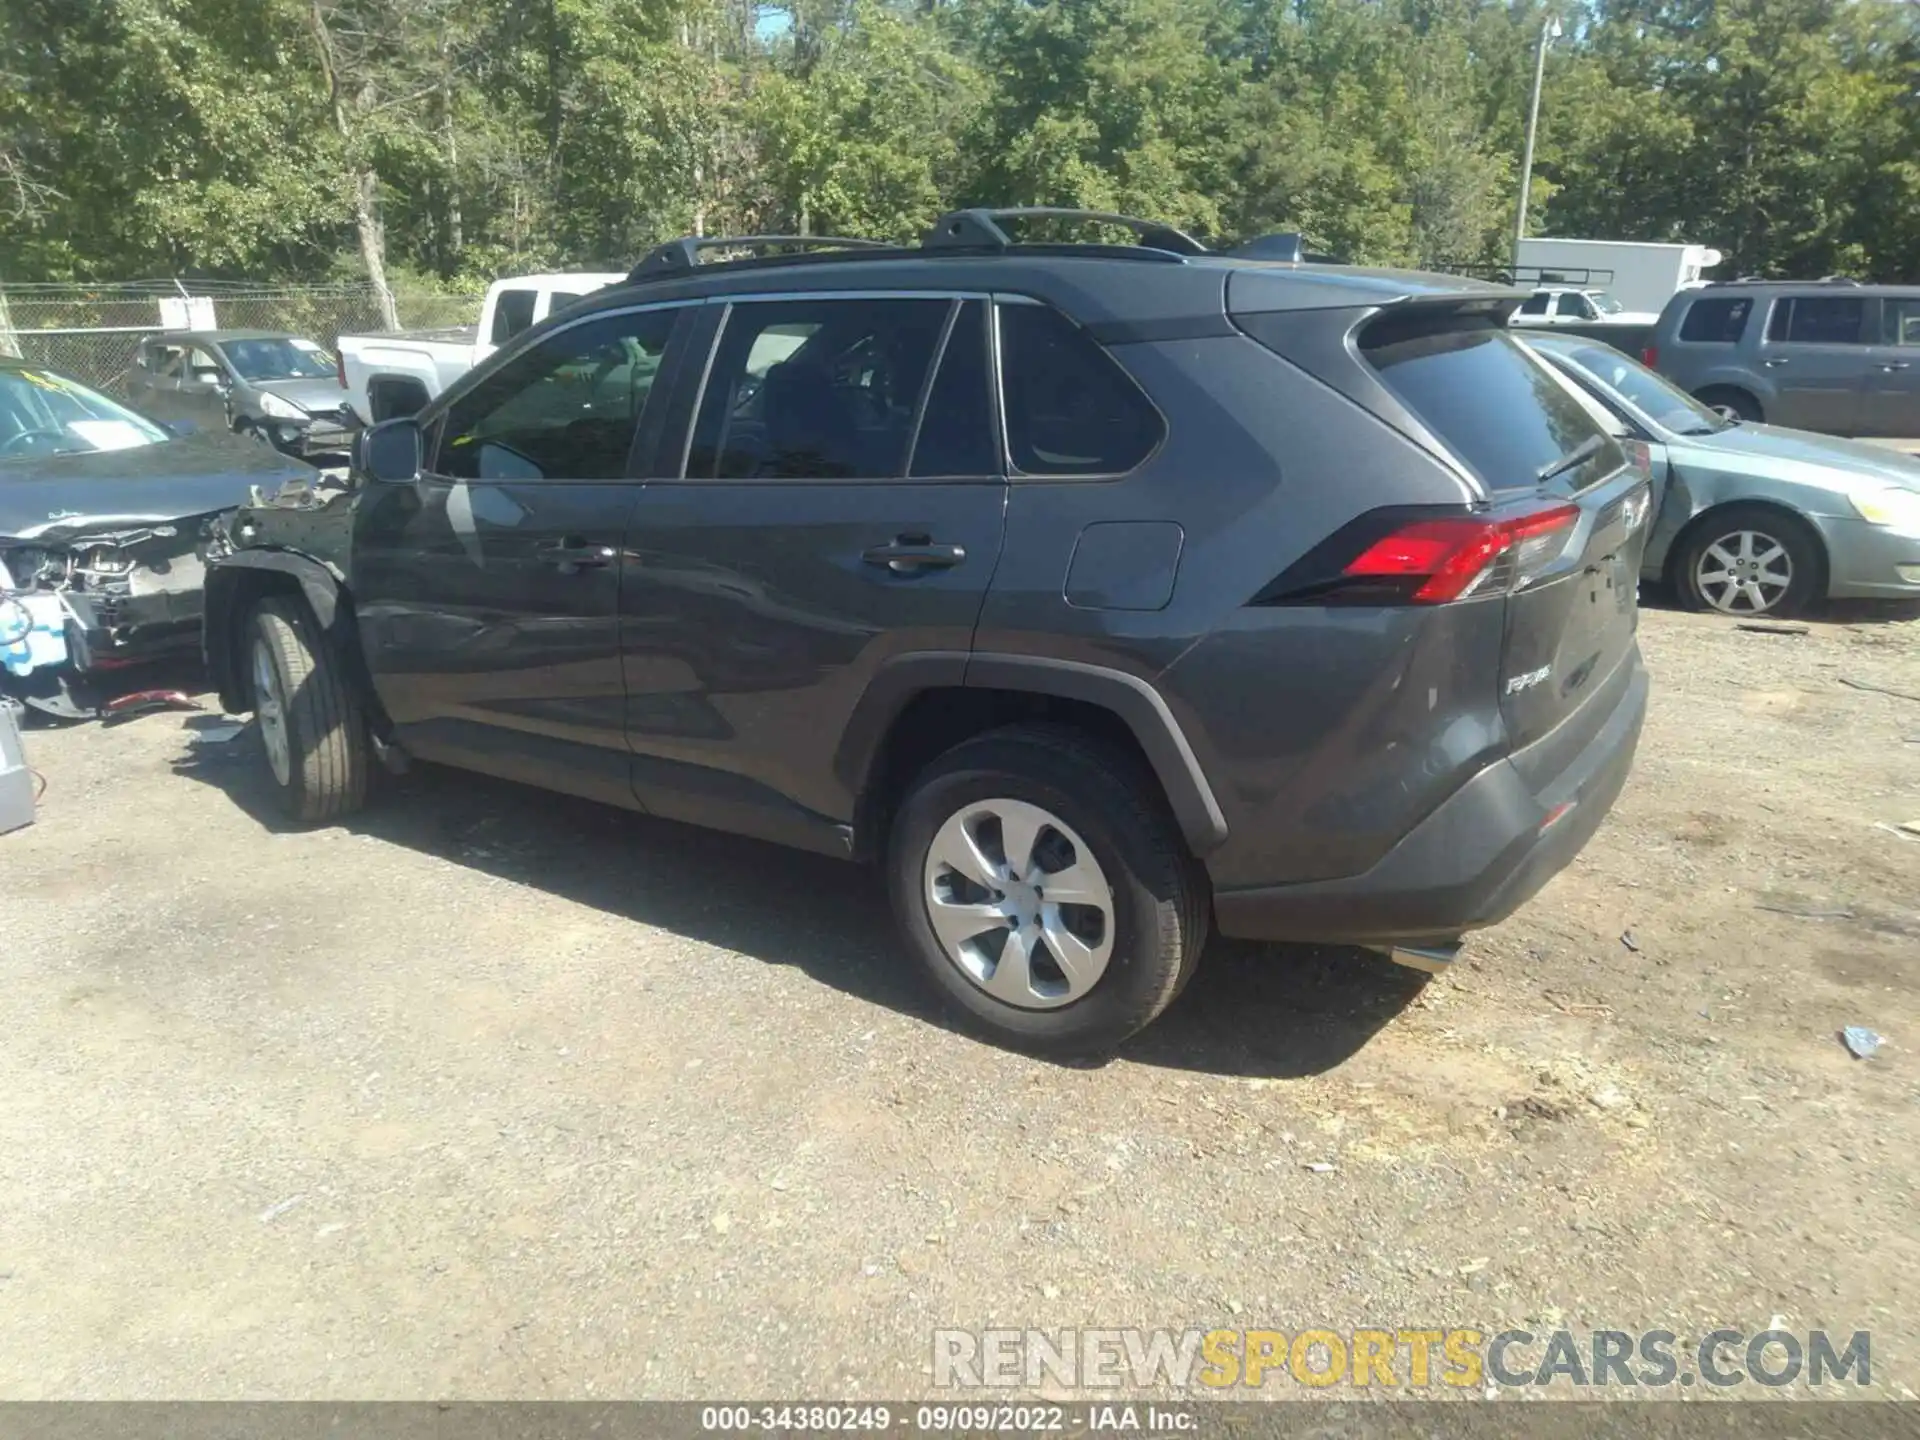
x=1578 y=455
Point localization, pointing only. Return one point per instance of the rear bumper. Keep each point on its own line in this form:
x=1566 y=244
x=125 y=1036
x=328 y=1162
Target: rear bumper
x=1471 y=863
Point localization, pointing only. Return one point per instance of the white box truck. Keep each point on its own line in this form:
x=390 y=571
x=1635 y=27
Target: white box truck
x=1642 y=276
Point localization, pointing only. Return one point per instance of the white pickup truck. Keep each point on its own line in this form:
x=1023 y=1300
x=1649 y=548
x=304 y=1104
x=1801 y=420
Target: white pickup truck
x=396 y=372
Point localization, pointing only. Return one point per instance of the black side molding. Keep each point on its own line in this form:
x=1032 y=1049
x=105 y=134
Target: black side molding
x=1145 y=713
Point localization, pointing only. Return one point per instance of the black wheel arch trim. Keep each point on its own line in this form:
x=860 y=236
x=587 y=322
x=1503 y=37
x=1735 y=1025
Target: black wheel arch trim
x=1144 y=711
x=1139 y=706
x=323 y=588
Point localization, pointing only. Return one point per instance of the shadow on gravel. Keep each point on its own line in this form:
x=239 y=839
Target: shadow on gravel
x=1829 y=612
x=1275 y=1011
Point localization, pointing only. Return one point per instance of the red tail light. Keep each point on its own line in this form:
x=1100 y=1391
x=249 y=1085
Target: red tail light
x=340 y=369
x=1426 y=555
x=1452 y=558
x=1650 y=357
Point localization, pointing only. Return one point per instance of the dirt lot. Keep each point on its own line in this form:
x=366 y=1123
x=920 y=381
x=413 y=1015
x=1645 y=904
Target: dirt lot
x=495 y=1094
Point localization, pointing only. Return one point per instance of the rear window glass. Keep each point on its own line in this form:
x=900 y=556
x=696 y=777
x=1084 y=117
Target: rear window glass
x=512 y=313
x=1817 y=320
x=1494 y=406
x=1717 y=322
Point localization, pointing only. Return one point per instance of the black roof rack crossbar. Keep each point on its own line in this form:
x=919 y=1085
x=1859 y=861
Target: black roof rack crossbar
x=684 y=253
x=981 y=229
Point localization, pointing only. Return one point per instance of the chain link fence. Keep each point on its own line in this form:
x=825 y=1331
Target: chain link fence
x=90 y=332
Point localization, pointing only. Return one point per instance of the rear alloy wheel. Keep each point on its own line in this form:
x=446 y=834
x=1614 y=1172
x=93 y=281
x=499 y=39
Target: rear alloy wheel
x=1734 y=404
x=310 y=726
x=1747 y=560
x=1045 y=890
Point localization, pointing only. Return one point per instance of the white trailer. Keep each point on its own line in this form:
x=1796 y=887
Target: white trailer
x=1640 y=275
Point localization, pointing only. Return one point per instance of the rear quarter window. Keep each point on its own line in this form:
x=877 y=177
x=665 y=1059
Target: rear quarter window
x=1070 y=408
x=1719 y=321
x=512 y=313
x=1494 y=406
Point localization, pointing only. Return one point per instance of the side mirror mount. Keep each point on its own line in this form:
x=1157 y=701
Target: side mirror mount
x=390 y=452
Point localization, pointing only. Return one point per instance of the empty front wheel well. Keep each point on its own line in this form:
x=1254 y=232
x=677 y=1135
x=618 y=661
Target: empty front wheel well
x=936 y=720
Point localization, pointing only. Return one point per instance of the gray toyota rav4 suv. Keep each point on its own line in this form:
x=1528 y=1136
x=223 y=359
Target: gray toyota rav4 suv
x=1102 y=594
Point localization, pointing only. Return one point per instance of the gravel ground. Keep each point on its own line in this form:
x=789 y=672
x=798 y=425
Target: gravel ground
x=492 y=1093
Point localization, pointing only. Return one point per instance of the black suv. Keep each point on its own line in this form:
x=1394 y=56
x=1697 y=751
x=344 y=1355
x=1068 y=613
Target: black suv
x=1102 y=593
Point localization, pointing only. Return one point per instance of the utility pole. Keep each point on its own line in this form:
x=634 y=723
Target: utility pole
x=1549 y=32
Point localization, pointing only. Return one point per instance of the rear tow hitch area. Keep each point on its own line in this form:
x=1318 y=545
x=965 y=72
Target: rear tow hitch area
x=1434 y=959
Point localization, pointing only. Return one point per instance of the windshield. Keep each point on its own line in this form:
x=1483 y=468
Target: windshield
x=1660 y=401
x=1605 y=303
x=46 y=414
x=278 y=359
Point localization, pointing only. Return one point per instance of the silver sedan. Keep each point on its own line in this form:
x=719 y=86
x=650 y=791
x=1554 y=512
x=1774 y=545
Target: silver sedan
x=1752 y=519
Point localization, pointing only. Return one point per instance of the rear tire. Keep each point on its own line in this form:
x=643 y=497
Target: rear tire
x=1738 y=401
x=1024 y=809
x=310 y=724
x=1772 y=564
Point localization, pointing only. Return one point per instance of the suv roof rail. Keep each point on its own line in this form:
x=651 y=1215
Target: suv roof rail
x=678 y=256
x=981 y=229
x=1286 y=245
x=1772 y=280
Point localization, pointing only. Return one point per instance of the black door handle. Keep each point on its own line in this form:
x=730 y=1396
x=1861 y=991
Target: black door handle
x=910 y=554
x=1895 y=365
x=572 y=555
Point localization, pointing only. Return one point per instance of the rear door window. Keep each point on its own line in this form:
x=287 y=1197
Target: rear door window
x=1900 y=323
x=956 y=432
x=1071 y=409
x=1818 y=320
x=1717 y=322
x=822 y=389
x=512 y=313
x=1496 y=407
x=1536 y=303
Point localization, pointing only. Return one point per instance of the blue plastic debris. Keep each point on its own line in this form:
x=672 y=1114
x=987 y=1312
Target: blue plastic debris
x=1861 y=1041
